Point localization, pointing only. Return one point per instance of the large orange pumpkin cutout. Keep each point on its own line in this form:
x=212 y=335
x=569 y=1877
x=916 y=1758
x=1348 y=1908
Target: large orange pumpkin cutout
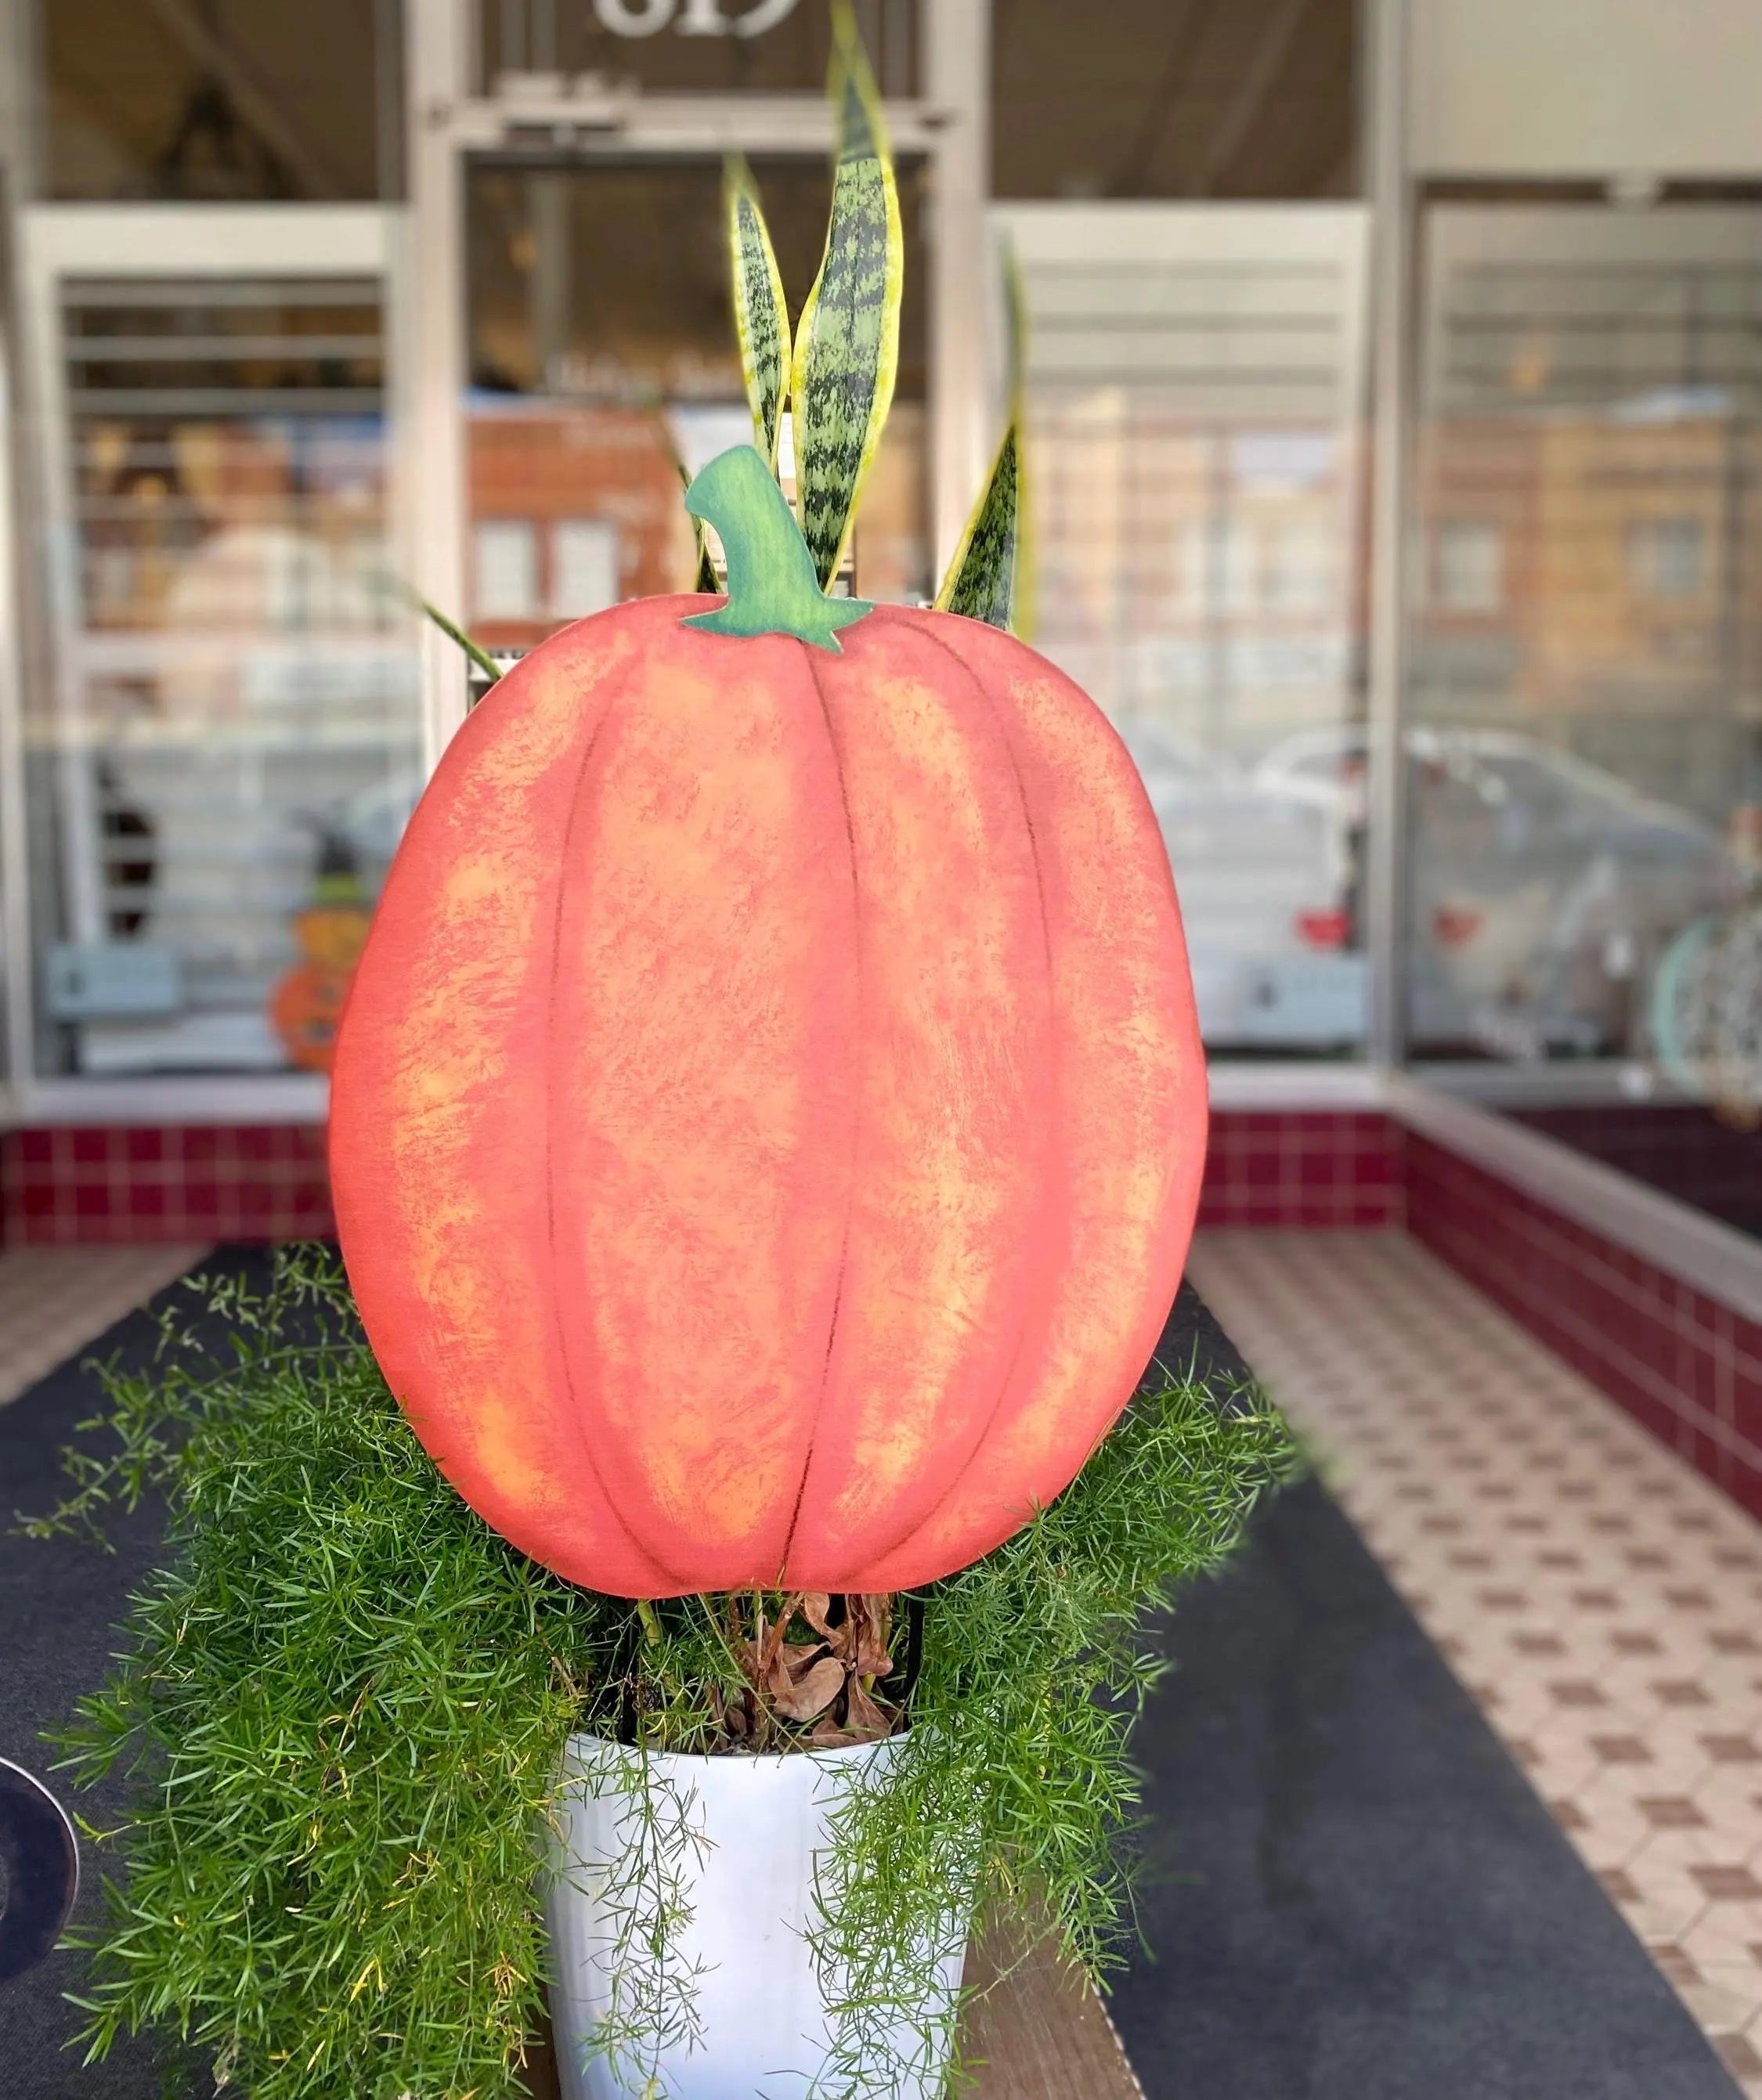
x=768 y=1119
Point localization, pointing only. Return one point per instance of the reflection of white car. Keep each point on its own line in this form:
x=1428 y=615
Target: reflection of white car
x=1264 y=879
x=1542 y=887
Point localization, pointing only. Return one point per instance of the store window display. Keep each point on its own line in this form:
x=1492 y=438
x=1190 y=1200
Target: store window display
x=220 y=687
x=230 y=715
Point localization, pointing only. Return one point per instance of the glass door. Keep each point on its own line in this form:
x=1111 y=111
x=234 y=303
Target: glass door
x=601 y=358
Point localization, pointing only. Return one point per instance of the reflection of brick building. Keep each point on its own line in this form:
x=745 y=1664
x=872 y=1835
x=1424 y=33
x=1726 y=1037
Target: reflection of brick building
x=575 y=507
x=572 y=508
x=1590 y=576
x=1198 y=575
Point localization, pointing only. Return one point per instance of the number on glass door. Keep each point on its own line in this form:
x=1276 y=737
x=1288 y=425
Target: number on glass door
x=690 y=18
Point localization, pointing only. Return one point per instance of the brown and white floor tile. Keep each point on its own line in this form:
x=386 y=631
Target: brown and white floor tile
x=1601 y=1599
x=56 y=1301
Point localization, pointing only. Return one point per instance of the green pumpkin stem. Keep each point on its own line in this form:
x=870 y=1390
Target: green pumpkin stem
x=772 y=588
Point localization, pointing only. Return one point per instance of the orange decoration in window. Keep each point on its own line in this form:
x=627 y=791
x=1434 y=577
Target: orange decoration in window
x=305 y=1005
x=768 y=1120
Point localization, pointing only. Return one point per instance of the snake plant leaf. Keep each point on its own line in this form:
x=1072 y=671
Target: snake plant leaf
x=760 y=318
x=475 y=651
x=847 y=340
x=981 y=580
x=985 y=578
x=405 y=594
x=705 y=579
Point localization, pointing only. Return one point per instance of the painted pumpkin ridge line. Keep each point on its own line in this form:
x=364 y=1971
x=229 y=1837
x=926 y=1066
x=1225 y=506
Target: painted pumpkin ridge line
x=1055 y=1159
x=850 y=1207
x=576 y=789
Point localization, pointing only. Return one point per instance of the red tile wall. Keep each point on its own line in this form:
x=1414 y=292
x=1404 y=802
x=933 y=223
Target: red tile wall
x=1323 y=1166
x=110 y=1186
x=1686 y=1366
x=1681 y=1148
x=103 y=1184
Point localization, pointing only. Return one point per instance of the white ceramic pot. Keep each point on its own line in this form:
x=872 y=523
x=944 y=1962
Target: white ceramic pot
x=741 y=1833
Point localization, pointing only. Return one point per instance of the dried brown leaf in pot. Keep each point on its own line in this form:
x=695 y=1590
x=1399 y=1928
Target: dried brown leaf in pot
x=800 y=1699
x=815 y=1606
x=790 y=1665
x=872 y=1617
x=865 y=1721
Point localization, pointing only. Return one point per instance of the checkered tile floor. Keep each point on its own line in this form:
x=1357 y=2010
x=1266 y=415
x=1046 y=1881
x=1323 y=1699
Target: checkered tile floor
x=1601 y=1601
x=55 y=1301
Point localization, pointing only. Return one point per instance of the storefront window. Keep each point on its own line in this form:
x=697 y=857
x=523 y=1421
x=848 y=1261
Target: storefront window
x=222 y=745
x=596 y=377
x=1585 y=678
x=1194 y=391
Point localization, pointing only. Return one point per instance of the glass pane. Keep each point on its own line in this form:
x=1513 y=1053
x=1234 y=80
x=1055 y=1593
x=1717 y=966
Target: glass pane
x=1140 y=98
x=248 y=101
x=595 y=374
x=1193 y=451
x=232 y=742
x=1585 y=702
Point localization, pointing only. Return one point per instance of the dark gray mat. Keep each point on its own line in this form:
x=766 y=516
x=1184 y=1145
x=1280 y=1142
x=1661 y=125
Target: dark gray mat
x=1357 y=1896
x=1367 y=1902
x=59 y=1599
